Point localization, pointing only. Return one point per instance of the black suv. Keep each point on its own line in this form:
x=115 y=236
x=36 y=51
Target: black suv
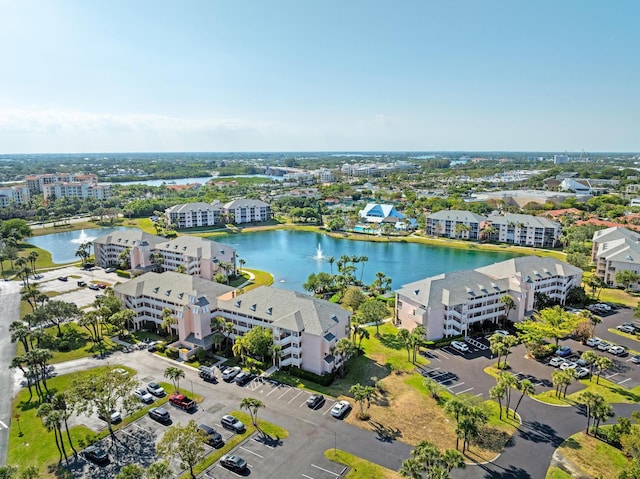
x=210 y=435
x=233 y=462
x=244 y=378
x=159 y=414
x=96 y=455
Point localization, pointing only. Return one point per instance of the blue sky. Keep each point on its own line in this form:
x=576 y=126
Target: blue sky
x=302 y=75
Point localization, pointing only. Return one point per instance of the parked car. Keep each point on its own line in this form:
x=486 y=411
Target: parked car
x=617 y=350
x=556 y=361
x=568 y=365
x=244 y=378
x=604 y=346
x=593 y=342
x=63 y=278
x=93 y=287
x=96 y=455
x=115 y=416
x=626 y=328
x=143 y=395
x=82 y=284
x=581 y=373
x=563 y=351
x=230 y=373
x=155 y=389
x=232 y=423
x=636 y=359
x=102 y=285
x=210 y=435
x=460 y=346
x=315 y=400
x=110 y=270
x=636 y=329
x=233 y=462
x=340 y=408
x=159 y=414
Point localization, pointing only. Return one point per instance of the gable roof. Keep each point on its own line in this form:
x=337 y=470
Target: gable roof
x=129 y=238
x=456 y=215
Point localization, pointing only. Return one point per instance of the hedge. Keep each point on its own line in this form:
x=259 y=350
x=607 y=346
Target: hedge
x=324 y=380
x=123 y=274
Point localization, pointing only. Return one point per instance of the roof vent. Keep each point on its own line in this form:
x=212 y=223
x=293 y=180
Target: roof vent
x=156 y=289
x=168 y=292
x=238 y=303
x=416 y=292
x=253 y=307
x=269 y=311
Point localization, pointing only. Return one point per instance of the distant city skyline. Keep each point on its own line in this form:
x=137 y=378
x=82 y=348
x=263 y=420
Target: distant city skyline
x=361 y=75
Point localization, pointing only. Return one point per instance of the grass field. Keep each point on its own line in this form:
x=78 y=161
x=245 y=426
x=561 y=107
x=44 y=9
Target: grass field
x=594 y=457
x=360 y=469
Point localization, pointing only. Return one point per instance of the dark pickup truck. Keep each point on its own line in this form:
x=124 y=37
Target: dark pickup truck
x=182 y=401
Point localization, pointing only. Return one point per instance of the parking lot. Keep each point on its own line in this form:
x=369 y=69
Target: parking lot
x=69 y=290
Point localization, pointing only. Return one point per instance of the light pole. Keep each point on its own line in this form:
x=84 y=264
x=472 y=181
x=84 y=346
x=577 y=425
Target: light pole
x=192 y=395
x=335 y=443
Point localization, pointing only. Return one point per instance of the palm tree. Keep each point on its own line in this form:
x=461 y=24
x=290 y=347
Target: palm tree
x=242 y=263
x=344 y=349
x=174 y=374
x=168 y=320
x=60 y=403
x=498 y=392
x=228 y=330
x=404 y=336
x=508 y=303
x=526 y=388
x=601 y=412
x=238 y=348
x=253 y=406
x=412 y=468
x=362 y=394
x=51 y=421
x=602 y=364
x=276 y=354
x=33 y=257
x=331 y=260
x=589 y=357
x=362 y=259
x=591 y=401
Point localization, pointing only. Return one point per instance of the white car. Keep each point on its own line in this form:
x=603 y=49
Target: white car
x=230 y=373
x=460 y=346
x=556 y=361
x=501 y=332
x=594 y=341
x=581 y=373
x=155 y=389
x=568 y=365
x=340 y=408
x=604 y=346
x=616 y=350
x=143 y=395
x=626 y=329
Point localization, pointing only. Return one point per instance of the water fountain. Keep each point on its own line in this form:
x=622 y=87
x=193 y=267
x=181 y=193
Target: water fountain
x=319 y=253
x=83 y=238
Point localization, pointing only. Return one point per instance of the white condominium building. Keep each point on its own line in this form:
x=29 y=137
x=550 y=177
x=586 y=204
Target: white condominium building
x=193 y=215
x=306 y=328
x=450 y=303
x=616 y=249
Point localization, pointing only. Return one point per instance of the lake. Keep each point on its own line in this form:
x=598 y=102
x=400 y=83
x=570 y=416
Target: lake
x=63 y=246
x=291 y=256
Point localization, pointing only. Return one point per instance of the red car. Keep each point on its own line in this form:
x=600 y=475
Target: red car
x=102 y=285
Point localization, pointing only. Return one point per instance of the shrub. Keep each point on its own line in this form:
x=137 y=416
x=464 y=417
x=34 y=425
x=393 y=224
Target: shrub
x=201 y=354
x=324 y=380
x=123 y=274
x=64 y=346
x=172 y=353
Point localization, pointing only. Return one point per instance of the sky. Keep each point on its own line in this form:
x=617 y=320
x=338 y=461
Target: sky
x=330 y=75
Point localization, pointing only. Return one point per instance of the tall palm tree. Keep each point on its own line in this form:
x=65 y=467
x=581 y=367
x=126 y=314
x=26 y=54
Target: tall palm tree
x=526 y=388
x=174 y=374
x=33 y=257
x=60 y=403
x=412 y=468
x=52 y=422
x=253 y=406
x=362 y=259
x=276 y=354
x=330 y=260
x=168 y=320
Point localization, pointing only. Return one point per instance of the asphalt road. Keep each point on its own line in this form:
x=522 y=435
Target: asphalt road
x=9 y=311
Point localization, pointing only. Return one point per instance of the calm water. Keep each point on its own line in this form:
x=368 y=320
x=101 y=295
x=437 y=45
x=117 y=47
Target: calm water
x=188 y=181
x=63 y=246
x=291 y=257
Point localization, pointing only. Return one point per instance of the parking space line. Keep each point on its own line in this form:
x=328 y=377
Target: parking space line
x=250 y=451
x=445 y=356
x=329 y=408
x=614 y=374
x=284 y=393
x=437 y=375
x=337 y=474
x=624 y=381
x=262 y=443
x=273 y=390
x=308 y=477
x=294 y=397
x=456 y=385
x=466 y=390
x=312 y=423
x=479 y=394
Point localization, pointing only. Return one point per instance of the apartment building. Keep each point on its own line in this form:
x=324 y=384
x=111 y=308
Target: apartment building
x=306 y=328
x=450 y=303
x=16 y=195
x=616 y=249
x=36 y=183
x=82 y=190
x=525 y=230
x=199 y=257
x=247 y=211
x=194 y=215
x=455 y=224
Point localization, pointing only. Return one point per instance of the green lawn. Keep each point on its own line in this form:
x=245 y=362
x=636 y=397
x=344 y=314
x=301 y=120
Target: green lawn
x=555 y=473
x=612 y=392
x=78 y=341
x=594 y=457
x=360 y=469
x=35 y=446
